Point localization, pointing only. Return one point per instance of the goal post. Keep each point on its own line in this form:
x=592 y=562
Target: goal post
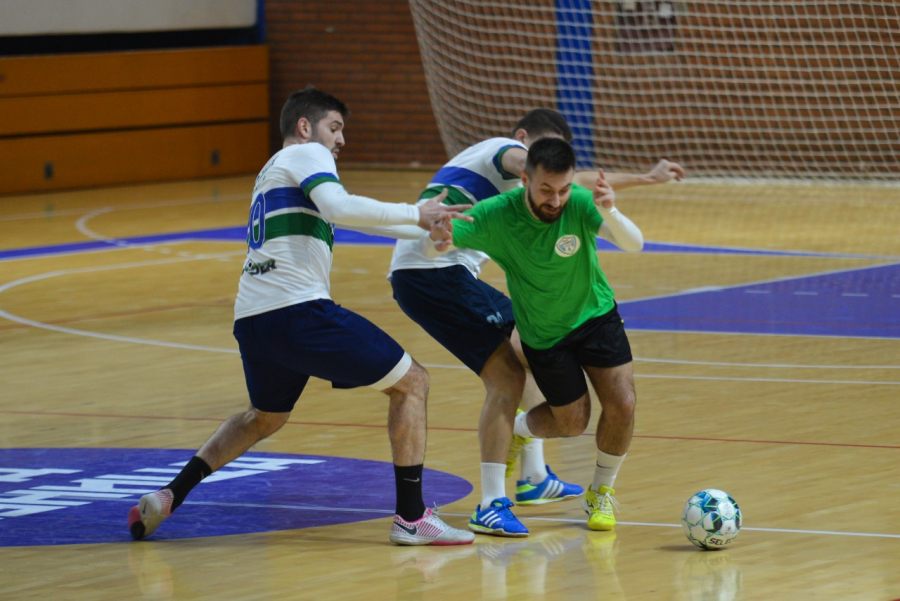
x=800 y=89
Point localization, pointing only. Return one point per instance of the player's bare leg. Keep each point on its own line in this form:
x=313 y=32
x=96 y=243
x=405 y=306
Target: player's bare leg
x=238 y=433
x=231 y=440
x=538 y=483
x=407 y=416
x=413 y=523
x=503 y=377
x=615 y=390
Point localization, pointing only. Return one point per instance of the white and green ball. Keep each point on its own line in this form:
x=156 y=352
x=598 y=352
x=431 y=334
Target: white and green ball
x=711 y=519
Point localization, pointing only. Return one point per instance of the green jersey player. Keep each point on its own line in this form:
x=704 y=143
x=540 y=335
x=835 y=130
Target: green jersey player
x=543 y=235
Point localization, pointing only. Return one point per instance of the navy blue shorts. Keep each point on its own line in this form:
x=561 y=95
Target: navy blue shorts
x=468 y=317
x=281 y=349
x=598 y=342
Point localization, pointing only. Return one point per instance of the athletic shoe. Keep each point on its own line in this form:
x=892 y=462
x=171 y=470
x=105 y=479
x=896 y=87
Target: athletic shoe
x=497 y=519
x=599 y=505
x=428 y=530
x=145 y=517
x=550 y=490
x=515 y=447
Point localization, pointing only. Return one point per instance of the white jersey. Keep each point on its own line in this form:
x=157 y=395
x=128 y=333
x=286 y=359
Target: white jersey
x=290 y=234
x=471 y=176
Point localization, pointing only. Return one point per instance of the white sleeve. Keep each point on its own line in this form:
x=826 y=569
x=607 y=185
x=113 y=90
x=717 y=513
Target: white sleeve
x=620 y=230
x=341 y=208
x=400 y=232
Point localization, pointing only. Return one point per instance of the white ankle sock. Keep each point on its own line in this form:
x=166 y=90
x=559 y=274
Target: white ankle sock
x=534 y=469
x=606 y=469
x=493 y=482
x=520 y=426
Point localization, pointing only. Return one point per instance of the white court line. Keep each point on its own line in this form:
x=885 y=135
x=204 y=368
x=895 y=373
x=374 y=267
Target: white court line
x=769 y=365
x=89 y=334
x=669 y=377
x=890 y=263
x=218 y=256
x=388 y=512
x=790 y=380
x=127 y=207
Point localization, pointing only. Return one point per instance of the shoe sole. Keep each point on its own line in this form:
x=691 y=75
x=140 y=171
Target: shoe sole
x=135 y=525
x=140 y=524
x=433 y=543
x=411 y=541
x=496 y=532
x=549 y=500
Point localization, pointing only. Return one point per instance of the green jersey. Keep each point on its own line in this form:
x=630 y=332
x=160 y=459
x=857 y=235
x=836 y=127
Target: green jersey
x=552 y=271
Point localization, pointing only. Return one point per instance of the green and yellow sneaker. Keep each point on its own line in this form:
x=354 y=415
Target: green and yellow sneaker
x=600 y=505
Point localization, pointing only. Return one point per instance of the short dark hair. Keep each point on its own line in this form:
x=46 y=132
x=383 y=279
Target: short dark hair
x=542 y=122
x=553 y=154
x=311 y=103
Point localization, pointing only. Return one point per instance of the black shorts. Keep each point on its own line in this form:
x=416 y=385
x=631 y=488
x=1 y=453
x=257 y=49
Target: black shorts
x=598 y=342
x=467 y=316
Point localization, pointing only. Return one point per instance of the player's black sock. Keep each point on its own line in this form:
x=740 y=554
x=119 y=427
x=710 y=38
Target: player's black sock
x=410 y=505
x=189 y=477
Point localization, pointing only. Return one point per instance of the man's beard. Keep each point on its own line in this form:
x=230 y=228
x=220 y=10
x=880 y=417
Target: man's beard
x=538 y=212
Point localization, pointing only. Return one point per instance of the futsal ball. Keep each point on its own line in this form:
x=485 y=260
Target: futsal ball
x=711 y=519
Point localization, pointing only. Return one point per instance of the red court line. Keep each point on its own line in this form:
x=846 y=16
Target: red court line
x=445 y=429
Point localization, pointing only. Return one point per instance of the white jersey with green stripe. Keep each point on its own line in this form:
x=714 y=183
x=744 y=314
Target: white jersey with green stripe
x=290 y=234
x=471 y=176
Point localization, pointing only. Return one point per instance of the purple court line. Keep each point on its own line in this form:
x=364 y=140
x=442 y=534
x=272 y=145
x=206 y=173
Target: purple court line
x=342 y=236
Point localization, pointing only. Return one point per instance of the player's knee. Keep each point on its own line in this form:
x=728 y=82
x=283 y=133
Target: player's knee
x=266 y=423
x=572 y=419
x=623 y=405
x=415 y=382
x=506 y=385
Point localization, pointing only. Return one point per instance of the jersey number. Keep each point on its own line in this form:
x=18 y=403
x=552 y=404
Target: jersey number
x=256 y=232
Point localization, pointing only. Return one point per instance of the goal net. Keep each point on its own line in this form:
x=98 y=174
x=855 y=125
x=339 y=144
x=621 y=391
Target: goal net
x=779 y=89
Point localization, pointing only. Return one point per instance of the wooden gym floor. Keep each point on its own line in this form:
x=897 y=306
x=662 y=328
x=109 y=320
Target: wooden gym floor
x=764 y=324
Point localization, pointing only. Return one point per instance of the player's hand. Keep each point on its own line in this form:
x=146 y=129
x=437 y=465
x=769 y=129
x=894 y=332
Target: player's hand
x=433 y=210
x=665 y=171
x=442 y=232
x=604 y=195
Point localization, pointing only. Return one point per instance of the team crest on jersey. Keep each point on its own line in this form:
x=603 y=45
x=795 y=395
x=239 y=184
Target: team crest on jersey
x=567 y=245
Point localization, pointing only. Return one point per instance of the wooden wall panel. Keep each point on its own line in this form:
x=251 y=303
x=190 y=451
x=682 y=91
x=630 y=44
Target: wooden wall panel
x=132 y=109
x=59 y=74
x=87 y=120
x=131 y=156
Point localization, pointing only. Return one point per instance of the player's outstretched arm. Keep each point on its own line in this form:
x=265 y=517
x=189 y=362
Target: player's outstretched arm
x=434 y=211
x=663 y=172
x=616 y=227
x=339 y=207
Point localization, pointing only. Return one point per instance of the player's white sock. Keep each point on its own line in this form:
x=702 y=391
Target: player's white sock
x=606 y=469
x=493 y=482
x=534 y=469
x=520 y=426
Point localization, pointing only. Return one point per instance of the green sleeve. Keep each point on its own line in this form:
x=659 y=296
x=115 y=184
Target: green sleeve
x=473 y=235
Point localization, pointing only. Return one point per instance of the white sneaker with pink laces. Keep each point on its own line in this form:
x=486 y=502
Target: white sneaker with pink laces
x=428 y=530
x=148 y=514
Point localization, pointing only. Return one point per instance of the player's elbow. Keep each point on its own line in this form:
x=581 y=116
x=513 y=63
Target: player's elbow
x=634 y=244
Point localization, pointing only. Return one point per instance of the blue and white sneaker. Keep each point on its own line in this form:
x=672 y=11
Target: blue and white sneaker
x=550 y=490
x=497 y=519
